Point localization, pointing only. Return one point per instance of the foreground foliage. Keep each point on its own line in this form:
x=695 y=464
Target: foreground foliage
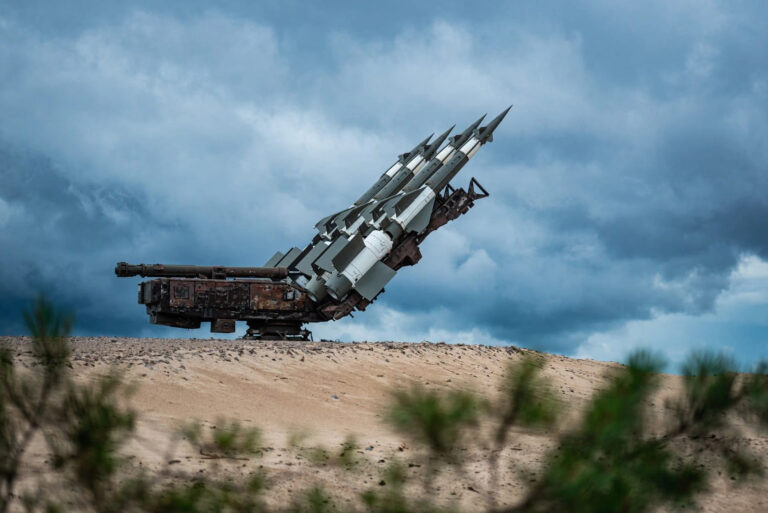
x=612 y=460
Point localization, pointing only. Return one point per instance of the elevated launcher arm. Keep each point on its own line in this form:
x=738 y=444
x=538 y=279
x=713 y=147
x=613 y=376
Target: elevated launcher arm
x=450 y=205
x=126 y=270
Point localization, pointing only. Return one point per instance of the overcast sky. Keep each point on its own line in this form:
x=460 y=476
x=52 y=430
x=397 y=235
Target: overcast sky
x=629 y=183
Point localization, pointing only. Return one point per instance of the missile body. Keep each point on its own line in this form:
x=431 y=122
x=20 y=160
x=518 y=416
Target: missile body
x=376 y=246
x=435 y=165
x=440 y=179
x=412 y=207
x=408 y=182
x=442 y=157
x=405 y=175
x=352 y=220
x=485 y=134
x=382 y=182
x=389 y=173
x=345 y=222
x=329 y=226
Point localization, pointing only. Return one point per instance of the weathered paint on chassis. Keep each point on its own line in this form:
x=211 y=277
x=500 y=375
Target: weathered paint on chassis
x=186 y=302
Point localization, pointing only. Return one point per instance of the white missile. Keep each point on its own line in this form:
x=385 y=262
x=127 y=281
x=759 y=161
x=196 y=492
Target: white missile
x=412 y=208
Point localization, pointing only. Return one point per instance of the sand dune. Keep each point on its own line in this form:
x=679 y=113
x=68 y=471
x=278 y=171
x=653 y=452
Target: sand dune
x=329 y=391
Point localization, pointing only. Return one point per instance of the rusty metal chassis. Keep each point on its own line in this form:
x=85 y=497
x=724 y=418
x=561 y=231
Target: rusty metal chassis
x=186 y=302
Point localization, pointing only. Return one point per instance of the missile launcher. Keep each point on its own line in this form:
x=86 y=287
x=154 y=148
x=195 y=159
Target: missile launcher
x=354 y=255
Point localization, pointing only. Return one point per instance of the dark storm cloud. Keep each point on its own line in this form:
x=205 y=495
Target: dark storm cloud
x=46 y=223
x=60 y=238
x=628 y=181
x=624 y=223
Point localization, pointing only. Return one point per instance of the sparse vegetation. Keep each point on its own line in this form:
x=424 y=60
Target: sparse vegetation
x=609 y=460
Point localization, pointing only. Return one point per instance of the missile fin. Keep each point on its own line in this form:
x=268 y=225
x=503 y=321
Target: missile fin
x=301 y=255
x=374 y=280
x=406 y=200
x=325 y=261
x=320 y=225
x=348 y=253
x=353 y=214
x=275 y=259
x=328 y=222
x=304 y=265
x=339 y=217
x=385 y=206
x=289 y=257
x=367 y=212
x=420 y=222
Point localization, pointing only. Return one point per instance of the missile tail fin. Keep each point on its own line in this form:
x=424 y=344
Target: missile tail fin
x=374 y=280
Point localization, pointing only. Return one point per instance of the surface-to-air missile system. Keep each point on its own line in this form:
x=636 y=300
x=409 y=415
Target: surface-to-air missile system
x=355 y=253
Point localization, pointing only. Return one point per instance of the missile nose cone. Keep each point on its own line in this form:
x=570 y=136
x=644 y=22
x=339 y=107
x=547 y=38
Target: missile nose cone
x=442 y=136
x=476 y=123
x=498 y=118
x=432 y=148
x=486 y=132
x=405 y=157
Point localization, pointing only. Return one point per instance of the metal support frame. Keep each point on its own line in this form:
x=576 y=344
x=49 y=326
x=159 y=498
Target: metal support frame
x=450 y=204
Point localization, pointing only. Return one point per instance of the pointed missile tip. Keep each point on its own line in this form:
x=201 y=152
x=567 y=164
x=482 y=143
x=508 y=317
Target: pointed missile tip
x=442 y=136
x=476 y=124
x=434 y=145
x=498 y=118
x=416 y=150
x=490 y=127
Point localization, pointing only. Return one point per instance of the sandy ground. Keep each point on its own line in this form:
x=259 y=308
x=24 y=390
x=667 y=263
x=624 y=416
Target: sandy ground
x=328 y=391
